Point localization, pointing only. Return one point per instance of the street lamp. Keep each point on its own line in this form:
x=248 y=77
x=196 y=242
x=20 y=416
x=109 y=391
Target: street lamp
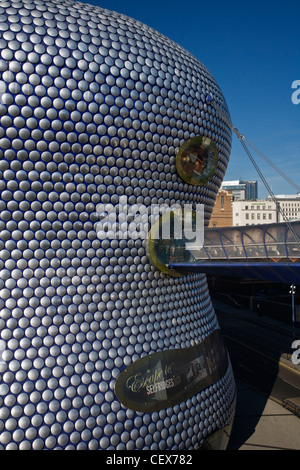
x=292 y=291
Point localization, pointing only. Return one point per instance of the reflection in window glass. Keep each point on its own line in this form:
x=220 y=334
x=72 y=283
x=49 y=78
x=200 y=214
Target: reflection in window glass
x=166 y=241
x=197 y=160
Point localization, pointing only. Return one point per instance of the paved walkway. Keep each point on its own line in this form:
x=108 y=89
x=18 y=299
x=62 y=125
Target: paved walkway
x=260 y=422
x=263 y=424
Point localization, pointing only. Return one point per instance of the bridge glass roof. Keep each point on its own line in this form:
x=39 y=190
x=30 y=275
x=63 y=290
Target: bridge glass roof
x=270 y=242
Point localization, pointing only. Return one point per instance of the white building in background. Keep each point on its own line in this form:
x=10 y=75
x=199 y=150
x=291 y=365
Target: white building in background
x=289 y=205
x=254 y=212
x=249 y=210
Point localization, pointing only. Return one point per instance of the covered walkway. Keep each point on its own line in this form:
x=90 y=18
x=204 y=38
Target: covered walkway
x=267 y=252
x=269 y=242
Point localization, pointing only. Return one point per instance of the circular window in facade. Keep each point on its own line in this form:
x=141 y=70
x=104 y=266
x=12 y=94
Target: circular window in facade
x=167 y=243
x=197 y=160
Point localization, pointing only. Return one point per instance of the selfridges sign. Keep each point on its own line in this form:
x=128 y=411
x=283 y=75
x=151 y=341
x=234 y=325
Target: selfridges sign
x=168 y=377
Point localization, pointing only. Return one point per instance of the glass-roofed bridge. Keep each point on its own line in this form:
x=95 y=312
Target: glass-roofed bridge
x=270 y=242
x=268 y=252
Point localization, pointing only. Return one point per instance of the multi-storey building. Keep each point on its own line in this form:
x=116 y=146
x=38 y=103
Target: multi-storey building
x=241 y=189
x=233 y=207
x=288 y=207
x=254 y=212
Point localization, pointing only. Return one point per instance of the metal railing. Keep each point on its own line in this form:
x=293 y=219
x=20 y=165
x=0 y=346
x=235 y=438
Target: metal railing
x=295 y=409
x=270 y=242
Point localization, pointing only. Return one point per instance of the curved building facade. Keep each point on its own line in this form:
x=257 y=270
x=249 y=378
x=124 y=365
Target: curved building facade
x=94 y=107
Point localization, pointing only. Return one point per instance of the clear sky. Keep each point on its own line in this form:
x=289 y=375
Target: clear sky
x=252 y=48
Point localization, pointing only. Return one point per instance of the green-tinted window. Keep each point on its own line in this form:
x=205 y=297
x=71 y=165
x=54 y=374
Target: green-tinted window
x=166 y=243
x=197 y=160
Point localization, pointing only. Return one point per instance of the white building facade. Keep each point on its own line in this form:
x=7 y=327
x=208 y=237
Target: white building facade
x=254 y=212
x=266 y=211
x=289 y=205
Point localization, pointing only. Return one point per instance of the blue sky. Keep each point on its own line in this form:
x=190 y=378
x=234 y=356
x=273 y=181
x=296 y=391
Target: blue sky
x=252 y=48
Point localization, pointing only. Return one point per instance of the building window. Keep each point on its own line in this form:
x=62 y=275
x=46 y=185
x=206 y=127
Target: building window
x=270 y=216
x=247 y=216
x=197 y=160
